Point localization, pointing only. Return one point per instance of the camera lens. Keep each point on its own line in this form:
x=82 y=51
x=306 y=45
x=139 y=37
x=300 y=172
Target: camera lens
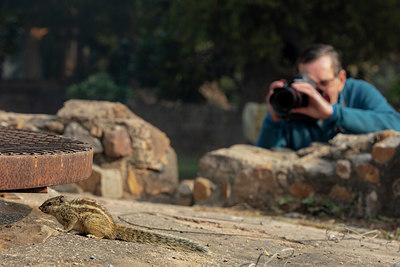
x=283 y=100
x=286 y=99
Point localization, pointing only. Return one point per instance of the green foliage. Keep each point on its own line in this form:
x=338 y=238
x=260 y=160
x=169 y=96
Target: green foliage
x=326 y=205
x=260 y=40
x=394 y=91
x=10 y=31
x=99 y=86
x=177 y=45
x=188 y=166
x=286 y=200
x=309 y=201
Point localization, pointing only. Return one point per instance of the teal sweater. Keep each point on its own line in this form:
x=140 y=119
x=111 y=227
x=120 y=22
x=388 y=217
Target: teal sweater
x=360 y=109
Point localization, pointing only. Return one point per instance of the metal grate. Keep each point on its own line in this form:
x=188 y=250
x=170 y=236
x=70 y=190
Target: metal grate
x=31 y=159
x=24 y=142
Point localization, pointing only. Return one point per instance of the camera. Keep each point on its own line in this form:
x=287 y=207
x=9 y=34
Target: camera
x=284 y=99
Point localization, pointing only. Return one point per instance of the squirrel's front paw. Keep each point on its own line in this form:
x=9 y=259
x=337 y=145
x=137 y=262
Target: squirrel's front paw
x=61 y=230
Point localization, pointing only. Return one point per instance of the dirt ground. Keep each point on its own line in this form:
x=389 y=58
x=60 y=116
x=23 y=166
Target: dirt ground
x=234 y=237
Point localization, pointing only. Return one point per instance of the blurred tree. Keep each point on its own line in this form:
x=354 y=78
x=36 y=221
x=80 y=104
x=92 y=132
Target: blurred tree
x=259 y=40
x=177 y=45
x=98 y=86
x=10 y=32
x=95 y=26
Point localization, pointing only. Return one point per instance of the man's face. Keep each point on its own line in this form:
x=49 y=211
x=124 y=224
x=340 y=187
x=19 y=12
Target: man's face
x=322 y=73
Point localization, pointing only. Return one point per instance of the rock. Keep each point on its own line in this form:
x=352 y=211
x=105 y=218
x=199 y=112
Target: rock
x=117 y=142
x=33 y=122
x=300 y=189
x=104 y=182
x=315 y=150
x=186 y=188
x=315 y=167
x=340 y=192
x=396 y=188
x=96 y=131
x=76 y=131
x=137 y=159
x=223 y=165
x=357 y=143
x=343 y=168
x=135 y=186
x=93 y=183
x=372 y=204
x=252 y=118
x=385 y=134
x=184 y=195
x=226 y=191
x=111 y=183
x=83 y=111
x=368 y=173
x=55 y=126
x=384 y=150
x=202 y=189
x=153 y=183
x=253 y=185
x=149 y=145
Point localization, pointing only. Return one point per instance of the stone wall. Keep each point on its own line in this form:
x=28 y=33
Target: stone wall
x=131 y=157
x=361 y=172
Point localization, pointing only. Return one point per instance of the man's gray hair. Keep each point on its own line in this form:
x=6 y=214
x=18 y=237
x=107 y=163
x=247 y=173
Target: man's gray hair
x=315 y=51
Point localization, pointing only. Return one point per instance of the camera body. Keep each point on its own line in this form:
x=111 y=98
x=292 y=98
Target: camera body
x=286 y=98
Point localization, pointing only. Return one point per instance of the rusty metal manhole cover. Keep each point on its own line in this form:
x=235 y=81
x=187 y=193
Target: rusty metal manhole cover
x=31 y=159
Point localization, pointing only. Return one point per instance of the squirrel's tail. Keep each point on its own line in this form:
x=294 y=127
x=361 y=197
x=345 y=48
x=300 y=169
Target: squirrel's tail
x=164 y=240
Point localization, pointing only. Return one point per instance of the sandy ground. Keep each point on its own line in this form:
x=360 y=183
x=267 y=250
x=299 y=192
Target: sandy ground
x=235 y=238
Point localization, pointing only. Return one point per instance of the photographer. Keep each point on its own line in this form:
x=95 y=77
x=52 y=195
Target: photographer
x=333 y=104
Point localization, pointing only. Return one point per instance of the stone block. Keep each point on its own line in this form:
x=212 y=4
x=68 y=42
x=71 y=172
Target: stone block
x=104 y=182
x=223 y=165
x=92 y=184
x=355 y=142
x=340 y=192
x=55 y=126
x=96 y=131
x=384 y=150
x=185 y=188
x=84 y=110
x=371 y=204
x=396 y=188
x=343 y=168
x=202 y=189
x=117 y=142
x=111 y=183
x=76 y=131
x=252 y=117
x=368 y=173
x=300 y=189
x=256 y=185
x=226 y=191
x=146 y=182
x=315 y=167
x=135 y=185
x=184 y=194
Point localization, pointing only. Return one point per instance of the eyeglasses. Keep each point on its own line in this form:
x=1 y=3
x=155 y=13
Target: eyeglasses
x=324 y=83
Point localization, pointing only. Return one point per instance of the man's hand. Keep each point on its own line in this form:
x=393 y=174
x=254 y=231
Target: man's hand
x=318 y=107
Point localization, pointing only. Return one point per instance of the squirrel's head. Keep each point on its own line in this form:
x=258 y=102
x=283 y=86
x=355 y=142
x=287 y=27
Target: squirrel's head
x=52 y=204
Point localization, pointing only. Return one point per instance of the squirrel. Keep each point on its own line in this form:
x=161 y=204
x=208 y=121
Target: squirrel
x=89 y=217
